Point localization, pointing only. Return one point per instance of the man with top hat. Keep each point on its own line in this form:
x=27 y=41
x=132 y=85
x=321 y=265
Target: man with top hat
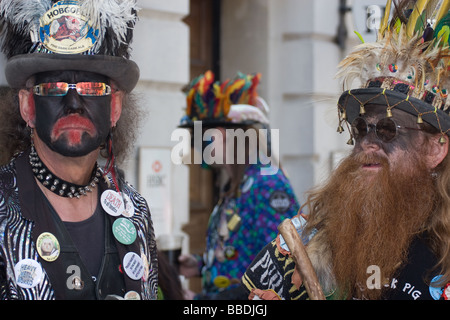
x=70 y=229
x=379 y=227
x=254 y=195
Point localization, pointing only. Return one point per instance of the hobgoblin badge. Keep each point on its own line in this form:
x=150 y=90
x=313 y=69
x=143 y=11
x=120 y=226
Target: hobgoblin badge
x=64 y=30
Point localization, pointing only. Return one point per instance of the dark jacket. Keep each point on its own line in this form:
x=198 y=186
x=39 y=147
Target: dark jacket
x=25 y=214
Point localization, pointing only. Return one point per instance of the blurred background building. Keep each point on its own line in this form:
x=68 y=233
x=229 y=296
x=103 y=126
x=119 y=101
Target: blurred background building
x=295 y=44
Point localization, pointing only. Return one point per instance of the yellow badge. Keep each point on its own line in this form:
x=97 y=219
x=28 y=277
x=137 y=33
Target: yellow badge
x=221 y=282
x=48 y=246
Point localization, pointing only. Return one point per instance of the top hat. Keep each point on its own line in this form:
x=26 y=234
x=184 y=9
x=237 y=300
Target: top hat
x=79 y=35
x=407 y=68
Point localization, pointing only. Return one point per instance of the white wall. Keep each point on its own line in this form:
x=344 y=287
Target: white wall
x=291 y=42
x=161 y=49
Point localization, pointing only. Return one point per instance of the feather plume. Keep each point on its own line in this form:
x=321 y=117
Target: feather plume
x=114 y=19
x=412 y=50
x=384 y=22
x=19 y=20
x=443 y=11
x=415 y=16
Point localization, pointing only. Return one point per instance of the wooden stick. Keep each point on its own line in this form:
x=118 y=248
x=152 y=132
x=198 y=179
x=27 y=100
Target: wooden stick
x=301 y=259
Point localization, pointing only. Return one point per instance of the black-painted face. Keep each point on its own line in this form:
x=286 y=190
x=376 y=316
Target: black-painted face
x=72 y=125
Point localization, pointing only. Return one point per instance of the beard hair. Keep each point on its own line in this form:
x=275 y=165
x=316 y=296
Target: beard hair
x=367 y=218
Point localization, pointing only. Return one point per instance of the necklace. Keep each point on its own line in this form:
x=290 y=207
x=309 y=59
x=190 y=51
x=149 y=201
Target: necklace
x=57 y=185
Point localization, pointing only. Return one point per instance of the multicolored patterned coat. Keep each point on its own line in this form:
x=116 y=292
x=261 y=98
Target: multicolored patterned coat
x=241 y=226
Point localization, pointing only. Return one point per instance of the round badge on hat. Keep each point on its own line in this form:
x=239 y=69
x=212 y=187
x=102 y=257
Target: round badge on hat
x=28 y=273
x=132 y=295
x=48 y=246
x=124 y=231
x=65 y=30
x=112 y=202
x=133 y=266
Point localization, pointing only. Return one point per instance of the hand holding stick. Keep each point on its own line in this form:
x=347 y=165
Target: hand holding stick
x=301 y=259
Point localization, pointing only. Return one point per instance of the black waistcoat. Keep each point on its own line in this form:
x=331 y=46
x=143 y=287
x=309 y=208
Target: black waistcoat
x=111 y=279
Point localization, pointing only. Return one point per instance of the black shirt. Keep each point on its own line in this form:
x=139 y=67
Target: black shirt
x=88 y=236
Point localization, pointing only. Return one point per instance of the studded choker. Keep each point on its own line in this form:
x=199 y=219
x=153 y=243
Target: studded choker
x=57 y=185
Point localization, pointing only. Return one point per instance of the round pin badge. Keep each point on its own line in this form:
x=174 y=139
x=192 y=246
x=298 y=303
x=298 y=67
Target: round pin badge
x=132 y=295
x=146 y=266
x=28 y=273
x=279 y=200
x=436 y=292
x=221 y=282
x=124 y=231
x=48 y=246
x=247 y=184
x=63 y=29
x=129 y=207
x=133 y=266
x=112 y=202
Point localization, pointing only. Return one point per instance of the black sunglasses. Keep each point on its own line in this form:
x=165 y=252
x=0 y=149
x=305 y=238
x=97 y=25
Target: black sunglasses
x=386 y=129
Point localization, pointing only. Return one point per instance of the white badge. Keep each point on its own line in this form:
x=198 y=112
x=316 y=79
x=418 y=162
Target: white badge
x=28 y=273
x=132 y=295
x=129 y=207
x=247 y=184
x=112 y=202
x=133 y=266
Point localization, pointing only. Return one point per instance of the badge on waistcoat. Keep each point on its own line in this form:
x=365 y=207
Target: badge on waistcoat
x=28 y=273
x=48 y=246
x=133 y=266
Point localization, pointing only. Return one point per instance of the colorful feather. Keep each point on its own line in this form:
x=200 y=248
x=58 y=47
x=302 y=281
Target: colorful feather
x=415 y=16
x=384 y=22
x=209 y=99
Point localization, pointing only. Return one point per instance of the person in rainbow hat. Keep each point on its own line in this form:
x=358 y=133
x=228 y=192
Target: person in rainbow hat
x=379 y=227
x=252 y=202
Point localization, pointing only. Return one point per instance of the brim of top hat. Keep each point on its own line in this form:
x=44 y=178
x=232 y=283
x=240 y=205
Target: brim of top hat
x=125 y=73
x=352 y=101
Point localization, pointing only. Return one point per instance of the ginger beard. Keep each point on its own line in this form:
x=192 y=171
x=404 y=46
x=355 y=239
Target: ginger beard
x=370 y=218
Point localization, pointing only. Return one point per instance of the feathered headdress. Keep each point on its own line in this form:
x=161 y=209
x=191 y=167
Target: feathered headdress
x=406 y=68
x=46 y=35
x=234 y=102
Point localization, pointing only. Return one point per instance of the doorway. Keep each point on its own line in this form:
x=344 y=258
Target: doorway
x=204 y=23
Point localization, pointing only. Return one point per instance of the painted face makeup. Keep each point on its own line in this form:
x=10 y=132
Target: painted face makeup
x=72 y=125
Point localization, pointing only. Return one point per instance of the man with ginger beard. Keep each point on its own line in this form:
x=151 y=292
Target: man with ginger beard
x=378 y=227
x=376 y=203
x=67 y=109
